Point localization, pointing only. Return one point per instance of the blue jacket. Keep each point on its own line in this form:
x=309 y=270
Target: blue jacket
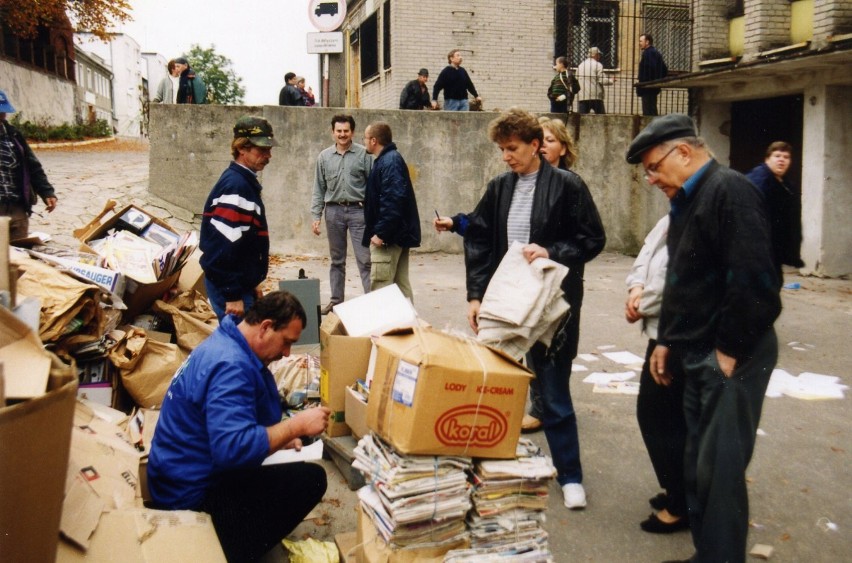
x=784 y=208
x=214 y=419
x=390 y=208
x=234 y=234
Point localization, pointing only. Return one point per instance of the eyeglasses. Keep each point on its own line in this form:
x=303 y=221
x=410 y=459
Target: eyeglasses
x=652 y=168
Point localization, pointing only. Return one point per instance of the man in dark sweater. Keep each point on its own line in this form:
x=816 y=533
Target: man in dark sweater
x=456 y=83
x=720 y=301
x=651 y=67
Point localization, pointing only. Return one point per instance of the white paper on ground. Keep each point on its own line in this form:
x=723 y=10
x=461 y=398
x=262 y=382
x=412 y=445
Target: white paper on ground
x=588 y=357
x=308 y=453
x=625 y=358
x=604 y=378
x=606 y=346
x=808 y=386
x=578 y=367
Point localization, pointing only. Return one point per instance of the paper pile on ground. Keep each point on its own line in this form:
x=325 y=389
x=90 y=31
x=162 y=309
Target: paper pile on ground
x=413 y=500
x=509 y=500
x=809 y=386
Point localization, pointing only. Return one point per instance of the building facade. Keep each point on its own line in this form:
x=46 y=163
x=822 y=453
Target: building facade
x=93 y=98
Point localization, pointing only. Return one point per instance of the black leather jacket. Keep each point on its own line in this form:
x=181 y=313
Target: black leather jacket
x=564 y=220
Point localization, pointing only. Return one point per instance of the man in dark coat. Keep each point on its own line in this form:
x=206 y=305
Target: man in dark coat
x=391 y=220
x=289 y=94
x=415 y=95
x=22 y=178
x=720 y=301
x=191 y=88
x=651 y=67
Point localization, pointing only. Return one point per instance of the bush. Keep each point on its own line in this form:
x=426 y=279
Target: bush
x=43 y=130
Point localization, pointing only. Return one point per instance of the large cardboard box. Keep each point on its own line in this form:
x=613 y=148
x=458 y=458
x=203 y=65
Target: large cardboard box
x=356 y=413
x=138 y=296
x=373 y=549
x=437 y=394
x=35 y=437
x=343 y=360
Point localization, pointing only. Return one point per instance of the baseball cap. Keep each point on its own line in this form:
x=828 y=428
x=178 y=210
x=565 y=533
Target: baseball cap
x=423 y=72
x=255 y=129
x=5 y=106
x=662 y=129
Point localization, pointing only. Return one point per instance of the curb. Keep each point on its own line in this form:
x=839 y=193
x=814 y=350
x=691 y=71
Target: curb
x=71 y=143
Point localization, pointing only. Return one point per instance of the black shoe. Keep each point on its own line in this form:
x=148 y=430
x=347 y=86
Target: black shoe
x=654 y=525
x=327 y=309
x=659 y=502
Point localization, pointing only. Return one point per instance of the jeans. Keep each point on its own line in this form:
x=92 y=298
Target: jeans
x=389 y=266
x=456 y=105
x=722 y=414
x=338 y=220
x=560 y=422
x=217 y=300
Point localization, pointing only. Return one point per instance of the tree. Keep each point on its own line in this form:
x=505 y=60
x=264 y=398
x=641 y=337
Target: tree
x=23 y=17
x=223 y=84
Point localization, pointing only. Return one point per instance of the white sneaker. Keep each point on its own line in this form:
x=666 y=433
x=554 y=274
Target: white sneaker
x=574 y=495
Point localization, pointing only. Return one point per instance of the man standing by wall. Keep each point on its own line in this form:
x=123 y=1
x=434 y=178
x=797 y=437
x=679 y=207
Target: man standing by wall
x=456 y=83
x=392 y=223
x=339 y=186
x=22 y=178
x=169 y=86
x=651 y=67
x=191 y=88
x=289 y=94
x=415 y=95
x=592 y=79
x=234 y=234
x=720 y=301
x=562 y=88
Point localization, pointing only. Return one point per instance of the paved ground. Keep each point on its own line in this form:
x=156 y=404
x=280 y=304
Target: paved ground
x=799 y=479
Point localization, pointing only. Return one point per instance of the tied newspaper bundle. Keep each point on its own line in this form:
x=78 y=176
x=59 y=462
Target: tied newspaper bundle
x=413 y=500
x=509 y=500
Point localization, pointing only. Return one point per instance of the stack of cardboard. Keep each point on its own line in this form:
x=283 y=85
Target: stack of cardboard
x=413 y=502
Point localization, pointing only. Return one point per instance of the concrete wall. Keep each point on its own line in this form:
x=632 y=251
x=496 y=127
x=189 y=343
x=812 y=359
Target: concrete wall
x=449 y=155
x=36 y=95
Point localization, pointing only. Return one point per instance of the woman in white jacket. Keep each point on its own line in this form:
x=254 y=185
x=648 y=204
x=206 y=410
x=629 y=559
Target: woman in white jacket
x=659 y=409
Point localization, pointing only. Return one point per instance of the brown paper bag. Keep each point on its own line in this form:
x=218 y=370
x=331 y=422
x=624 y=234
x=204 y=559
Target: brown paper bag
x=193 y=319
x=146 y=366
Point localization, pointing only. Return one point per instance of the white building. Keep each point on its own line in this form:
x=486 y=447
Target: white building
x=154 y=70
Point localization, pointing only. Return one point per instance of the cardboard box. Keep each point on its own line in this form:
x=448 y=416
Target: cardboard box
x=35 y=436
x=437 y=394
x=147 y=536
x=373 y=549
x=138 y=296
x=346 y=543
x=343 y=360
x=192 y=276
x=26 y=364
x=356 y=413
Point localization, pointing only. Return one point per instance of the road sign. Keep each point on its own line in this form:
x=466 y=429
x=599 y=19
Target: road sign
x=327 y=15
x=330 y=42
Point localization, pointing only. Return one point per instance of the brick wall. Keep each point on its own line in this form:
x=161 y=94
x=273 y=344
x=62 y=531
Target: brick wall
x=710 y=31
x=767 y=25
x=831 y=17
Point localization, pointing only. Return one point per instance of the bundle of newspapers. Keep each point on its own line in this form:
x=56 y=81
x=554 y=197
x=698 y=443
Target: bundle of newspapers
x=509 y=500
x=413 y=500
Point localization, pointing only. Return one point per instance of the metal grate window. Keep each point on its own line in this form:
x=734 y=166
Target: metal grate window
x=670 y=28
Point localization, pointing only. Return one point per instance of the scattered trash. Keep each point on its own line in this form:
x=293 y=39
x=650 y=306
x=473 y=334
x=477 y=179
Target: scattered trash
x=312 y=551
x=792 y=285
x=761 y=551
x=761 y=432
x=826 y=525
x=606 y=347
x=809 y=386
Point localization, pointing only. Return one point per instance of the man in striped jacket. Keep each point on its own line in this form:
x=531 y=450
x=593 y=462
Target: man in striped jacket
x=234 y=233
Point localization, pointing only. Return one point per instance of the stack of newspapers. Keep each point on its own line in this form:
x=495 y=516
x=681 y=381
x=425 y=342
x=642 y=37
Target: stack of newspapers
x=413 y=500
x=509 y=500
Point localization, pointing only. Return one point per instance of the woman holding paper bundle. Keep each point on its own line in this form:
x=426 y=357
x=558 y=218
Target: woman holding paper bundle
x=552 y=213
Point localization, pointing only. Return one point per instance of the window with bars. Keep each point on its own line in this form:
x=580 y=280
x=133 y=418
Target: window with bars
x=386 y=35
x=581 y=24
x=369 y=39
x=670 y=27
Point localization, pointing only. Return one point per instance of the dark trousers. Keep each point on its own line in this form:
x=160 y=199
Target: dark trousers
x=253 y=509
x=585 y=106
x=552 y=372
x=649 y=103
x=722 y=414
x=19 y=224
x=659 y=411
x=559 y=107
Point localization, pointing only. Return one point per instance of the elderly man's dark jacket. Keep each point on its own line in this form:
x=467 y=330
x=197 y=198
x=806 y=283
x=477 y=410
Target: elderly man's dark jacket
x=29 y=177
x=390 y=207
x=414 y=96
x=722 y=287
x=564 y=220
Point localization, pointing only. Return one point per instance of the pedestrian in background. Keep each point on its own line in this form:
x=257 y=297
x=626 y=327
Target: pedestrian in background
x=169 y=86
x=651 y=67
x=22 y=178
x=415 y=94
x=340 y=183
x=562 y=88
x=289 y=94
x=234 y=233
x=391 y=220
x=590 y=75
x=191 y=88
x=456 y=83
x=307 y=93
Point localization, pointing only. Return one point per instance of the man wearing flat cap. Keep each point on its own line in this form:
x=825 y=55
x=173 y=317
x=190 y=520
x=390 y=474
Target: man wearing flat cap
x=234 y=233
x=415 y=95
x=720 y=301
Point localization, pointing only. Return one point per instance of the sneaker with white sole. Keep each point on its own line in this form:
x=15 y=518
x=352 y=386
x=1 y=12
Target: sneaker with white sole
x=574 y=495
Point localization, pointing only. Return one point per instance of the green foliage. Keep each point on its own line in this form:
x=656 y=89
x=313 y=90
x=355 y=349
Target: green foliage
x=43 y=130
x=223 y=84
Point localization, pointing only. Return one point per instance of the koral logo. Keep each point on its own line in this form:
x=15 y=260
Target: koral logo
x=469 y=425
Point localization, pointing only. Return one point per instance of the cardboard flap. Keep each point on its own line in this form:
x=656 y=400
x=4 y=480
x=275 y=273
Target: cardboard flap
x=26 y=365
x=376 y=312
x=94 y=224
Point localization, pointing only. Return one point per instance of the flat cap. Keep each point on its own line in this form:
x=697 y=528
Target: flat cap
x=423 y=72
x=662 y=129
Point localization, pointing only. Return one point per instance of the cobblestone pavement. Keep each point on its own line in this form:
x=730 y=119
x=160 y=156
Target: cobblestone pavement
x=799 y=479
